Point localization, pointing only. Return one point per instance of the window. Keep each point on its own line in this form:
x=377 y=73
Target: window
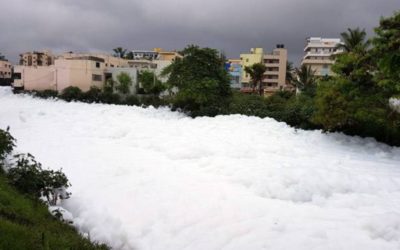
x=97 y=65
x=17 y=76
x=97 y=78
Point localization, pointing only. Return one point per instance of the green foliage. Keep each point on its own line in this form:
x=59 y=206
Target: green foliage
x=48 y=93
x=124 y=83
x=354 y=40
x=256 y=72
x=119 y=52
x=132 y=100
x=94 y=94
x=150 y=83
x=29 y=178
x=201 y=81
x=305 y=80
x=356 y=100
x=24 y=222
x=7 y=144
x=386 y=51
x=71 y=94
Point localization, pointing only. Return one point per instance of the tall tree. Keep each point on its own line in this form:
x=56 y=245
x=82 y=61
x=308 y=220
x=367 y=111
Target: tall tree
x=119 y=52
x=256 y=72
x=201 y=81
x=289 y=73
x=124 y=82
x=305 y=78
x=354 y=40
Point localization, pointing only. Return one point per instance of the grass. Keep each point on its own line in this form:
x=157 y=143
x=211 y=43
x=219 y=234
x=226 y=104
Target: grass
x=27 y=224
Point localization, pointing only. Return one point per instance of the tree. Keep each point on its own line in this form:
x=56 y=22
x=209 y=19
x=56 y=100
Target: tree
x=386 y=54
x=124 y=83
x=305 y=78
x=201 y=81
x=256 y=72
x=354 y=40
x=150 y=83
x=119 y=52
x=129 y=55
x=2 y=57
x=289 y=73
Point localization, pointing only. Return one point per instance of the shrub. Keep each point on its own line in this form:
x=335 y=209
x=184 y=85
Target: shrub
x=132 y=100
x=48 y=93
x=71 y=94
x=94 y=94
x=7 y=143
x=29 y=178
x=110 y=98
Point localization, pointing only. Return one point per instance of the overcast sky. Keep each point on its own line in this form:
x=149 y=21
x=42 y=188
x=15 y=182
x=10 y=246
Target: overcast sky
x=233 y=26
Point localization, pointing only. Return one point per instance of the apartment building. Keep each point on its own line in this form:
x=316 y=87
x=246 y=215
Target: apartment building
x=275 y=62
x=36 y=58
x=82 y=70
x=318 y=54
x=5 y=72
x=275 y=75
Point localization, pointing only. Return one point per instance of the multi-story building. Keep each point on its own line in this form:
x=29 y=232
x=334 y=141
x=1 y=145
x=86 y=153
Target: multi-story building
x=79 y=70
x=275 y=62
x=5 y=72
x=318 y=54
x=36 y=58
x=275 y=75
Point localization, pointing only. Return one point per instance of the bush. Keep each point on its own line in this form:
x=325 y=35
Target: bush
x=7 y=143
x=132 y=100
x=29 y=178
x=94 y=94
x=48 y=93
x=110 y=98
x=71 y=94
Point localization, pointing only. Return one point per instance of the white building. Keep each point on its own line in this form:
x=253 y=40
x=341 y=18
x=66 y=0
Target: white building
x=318 y=54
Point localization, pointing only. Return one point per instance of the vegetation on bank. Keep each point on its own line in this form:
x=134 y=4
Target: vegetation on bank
x=25 y=222
x=354 y=101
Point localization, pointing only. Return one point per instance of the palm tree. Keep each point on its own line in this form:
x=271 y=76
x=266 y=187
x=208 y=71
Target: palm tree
x=305 y=77
x=354 y=40
x=289 y=73
x=119 y=52
x=256 y=72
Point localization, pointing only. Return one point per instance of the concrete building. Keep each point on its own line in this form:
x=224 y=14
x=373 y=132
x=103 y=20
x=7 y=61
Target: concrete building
x=255 y=56
x=275 y=75
x=318 y=54
x=109 y=60
x=275 y=62
x=82 y=72
x=155 y=54
x=234 y=68
x=5 y=72
x=36 y=58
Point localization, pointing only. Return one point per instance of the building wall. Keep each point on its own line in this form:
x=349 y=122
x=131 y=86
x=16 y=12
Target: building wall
x=132 y=72
x=255 y=56
x=35 y=78
x=318 y=54
x=275 y=75
x=5 y=69
x=80 y=73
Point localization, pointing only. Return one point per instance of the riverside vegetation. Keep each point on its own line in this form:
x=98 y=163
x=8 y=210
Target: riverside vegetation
x=355 y=101
x=25 y=191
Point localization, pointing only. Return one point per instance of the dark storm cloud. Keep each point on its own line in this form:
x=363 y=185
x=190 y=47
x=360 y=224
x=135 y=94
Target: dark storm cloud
x=232 y=26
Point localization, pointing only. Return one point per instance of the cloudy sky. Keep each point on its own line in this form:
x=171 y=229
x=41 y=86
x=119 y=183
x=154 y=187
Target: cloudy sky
x=233 y=26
